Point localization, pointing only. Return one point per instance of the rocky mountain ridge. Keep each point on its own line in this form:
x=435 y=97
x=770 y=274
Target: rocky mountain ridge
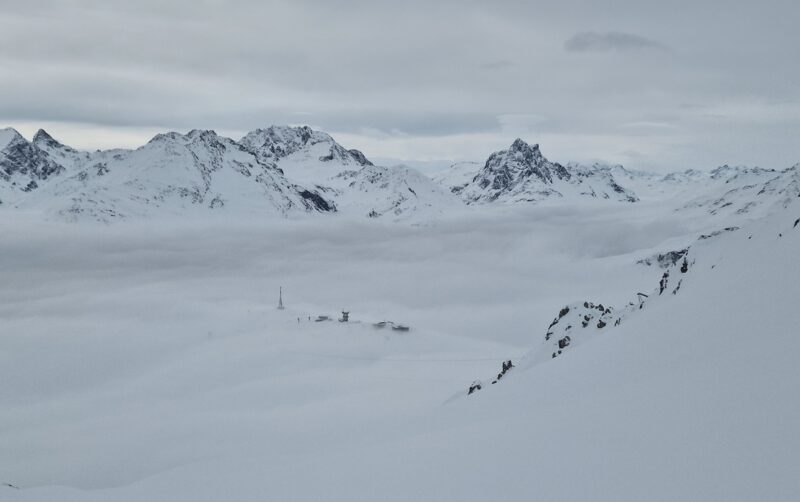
x=282 y=170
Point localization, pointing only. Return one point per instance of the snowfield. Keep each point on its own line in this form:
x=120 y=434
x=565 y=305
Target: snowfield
x=145 y=360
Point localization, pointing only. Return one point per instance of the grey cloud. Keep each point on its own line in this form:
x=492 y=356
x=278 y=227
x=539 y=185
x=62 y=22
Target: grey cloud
x=497 y=65
x=590 y=41
x=456 y=70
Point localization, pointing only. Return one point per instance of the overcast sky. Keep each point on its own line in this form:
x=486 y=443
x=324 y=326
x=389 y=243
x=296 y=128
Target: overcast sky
x=649 y=84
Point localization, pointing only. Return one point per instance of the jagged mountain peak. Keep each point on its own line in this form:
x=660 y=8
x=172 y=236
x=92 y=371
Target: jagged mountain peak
x=727 y=171
x=205 y=134
x=523 y=174
x=19 y=157
x=43 y=136
x=525 y=152
x=10 y=135
x=44 y=141
x=164 y=136
x=521 y=160
x=684 y=176
x=520 y=145
x=278 y=142
x=283 y=140
x=200 y=141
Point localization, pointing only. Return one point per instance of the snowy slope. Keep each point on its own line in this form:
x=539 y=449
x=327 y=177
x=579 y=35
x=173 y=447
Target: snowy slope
x=746 y=192
x=646 y=185
x=398 y=192
x=691 y=397
x=456 y=177
x=762 y=247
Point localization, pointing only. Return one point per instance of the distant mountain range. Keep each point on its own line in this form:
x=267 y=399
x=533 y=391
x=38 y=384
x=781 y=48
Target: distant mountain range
x=297 y=170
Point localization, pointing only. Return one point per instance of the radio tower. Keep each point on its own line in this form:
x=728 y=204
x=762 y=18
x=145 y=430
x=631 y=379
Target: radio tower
x=280 y=298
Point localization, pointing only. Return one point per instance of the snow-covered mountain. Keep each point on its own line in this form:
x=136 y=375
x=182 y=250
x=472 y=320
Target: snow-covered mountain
x=272 y=171
x=740 y=192
x=458 y=176
x=276 y=143
x=394 y=192
x=278 y=171
x=347 y=177
x=171 y=174
x=522 y=174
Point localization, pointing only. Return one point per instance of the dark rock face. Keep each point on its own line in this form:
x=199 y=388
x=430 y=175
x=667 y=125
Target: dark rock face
x=360 y=157
x=42 y=139
x=316 y=201
x=585 y=316
x=662 y=285
x=338 y=153
x=664 y=260
x=521 y=161
x=20 y=157
x=717 y=233
x=506 y=367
